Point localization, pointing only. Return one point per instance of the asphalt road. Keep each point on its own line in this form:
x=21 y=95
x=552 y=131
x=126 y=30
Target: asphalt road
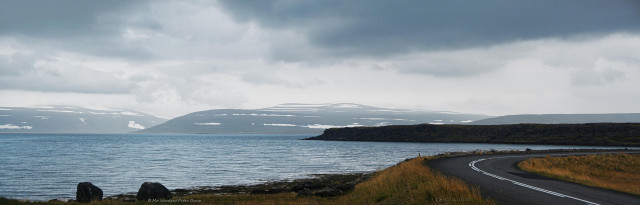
x=498 y=177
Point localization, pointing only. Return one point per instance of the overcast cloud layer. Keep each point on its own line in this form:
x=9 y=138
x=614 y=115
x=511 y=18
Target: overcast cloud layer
x=169 y=58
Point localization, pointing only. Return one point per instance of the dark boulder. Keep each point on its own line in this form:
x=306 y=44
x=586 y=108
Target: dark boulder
x=329 y=192
x=88 y=192
x=153 y=190
x=305 y=192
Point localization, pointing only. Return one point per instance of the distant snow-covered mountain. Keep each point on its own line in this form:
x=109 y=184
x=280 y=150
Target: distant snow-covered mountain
x=302 y=119
x=65 y=119
x=561 y=119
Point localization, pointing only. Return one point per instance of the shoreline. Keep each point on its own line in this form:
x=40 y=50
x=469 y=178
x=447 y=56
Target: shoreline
x=345 y=182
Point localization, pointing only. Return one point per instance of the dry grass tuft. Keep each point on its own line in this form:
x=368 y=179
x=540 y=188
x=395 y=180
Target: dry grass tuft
x=412 y=182
x=619 y=172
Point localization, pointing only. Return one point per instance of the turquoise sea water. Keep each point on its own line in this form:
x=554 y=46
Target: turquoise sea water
x=49 y=166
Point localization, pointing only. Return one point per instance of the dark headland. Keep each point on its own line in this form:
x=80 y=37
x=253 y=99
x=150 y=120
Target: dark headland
x=597 y=134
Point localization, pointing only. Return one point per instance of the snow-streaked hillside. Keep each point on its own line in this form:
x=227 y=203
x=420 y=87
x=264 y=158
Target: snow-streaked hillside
x=302 y=119
x=561 y=119
x=65 y=119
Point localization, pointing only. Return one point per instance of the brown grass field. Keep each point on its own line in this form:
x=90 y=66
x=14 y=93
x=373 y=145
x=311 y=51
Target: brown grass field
x=409 y=182
x=619 y=172
x=412 y=182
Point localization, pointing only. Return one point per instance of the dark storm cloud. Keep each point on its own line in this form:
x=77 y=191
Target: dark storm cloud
x=92 y=27
x=53 y=18
x=381 y=28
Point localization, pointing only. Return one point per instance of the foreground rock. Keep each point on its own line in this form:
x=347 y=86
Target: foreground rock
x=153 y=190
x=88 y=192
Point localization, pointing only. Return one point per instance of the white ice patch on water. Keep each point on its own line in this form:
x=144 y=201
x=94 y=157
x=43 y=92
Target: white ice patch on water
x=436 y=123
x=98 y=113
x=466 y=121
x=372 y=118
x=14 y=127
x=82 y=119
x=5 y=109
x=280 y=125
x=134 y=125
x=208 y=123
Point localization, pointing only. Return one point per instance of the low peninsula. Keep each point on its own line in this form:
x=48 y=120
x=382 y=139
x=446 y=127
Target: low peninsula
x=595 y=134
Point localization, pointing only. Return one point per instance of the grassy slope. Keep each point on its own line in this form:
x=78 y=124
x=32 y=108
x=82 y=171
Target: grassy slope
x=619 y=172
x=410 y=182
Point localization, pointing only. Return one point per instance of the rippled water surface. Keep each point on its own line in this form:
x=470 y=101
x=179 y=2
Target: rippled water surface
x=43 y=166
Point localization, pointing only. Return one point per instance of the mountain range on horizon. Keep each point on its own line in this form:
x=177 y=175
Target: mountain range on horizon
x=560 y=119
x=294 y=118
x=291 y=118
x=72 y=120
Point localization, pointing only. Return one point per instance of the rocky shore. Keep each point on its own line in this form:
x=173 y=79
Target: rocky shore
x=322 y=185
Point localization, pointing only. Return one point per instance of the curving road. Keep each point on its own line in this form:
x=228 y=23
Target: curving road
x=498 y=177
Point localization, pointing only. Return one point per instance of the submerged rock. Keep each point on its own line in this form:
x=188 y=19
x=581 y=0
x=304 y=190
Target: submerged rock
x=88 y=192
x=153 y=190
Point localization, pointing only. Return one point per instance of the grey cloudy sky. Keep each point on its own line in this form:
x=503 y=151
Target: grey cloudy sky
x=169 y=58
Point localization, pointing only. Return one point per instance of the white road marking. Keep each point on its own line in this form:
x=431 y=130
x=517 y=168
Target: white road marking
x=473 y=166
